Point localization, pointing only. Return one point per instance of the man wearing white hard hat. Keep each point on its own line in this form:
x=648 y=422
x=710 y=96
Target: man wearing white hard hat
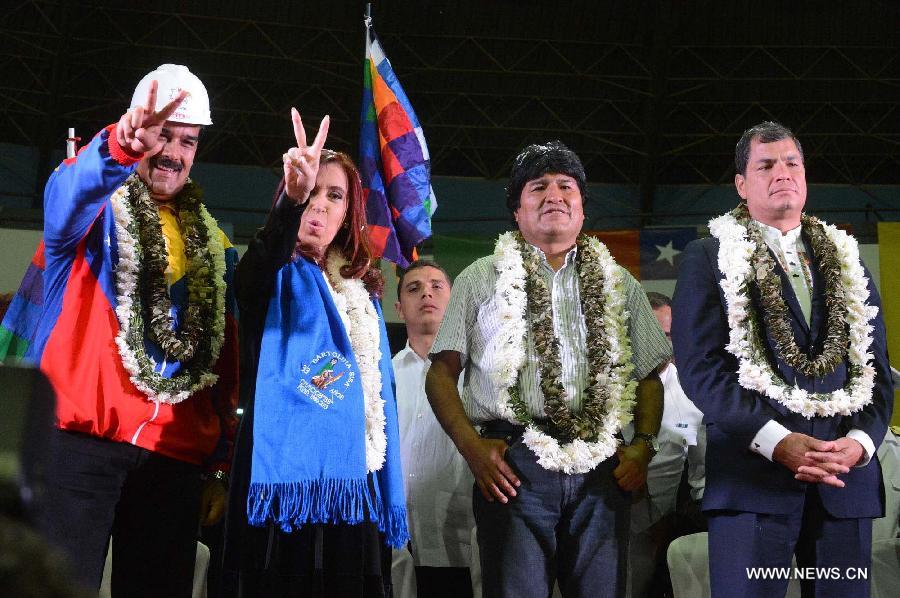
x=137 y=336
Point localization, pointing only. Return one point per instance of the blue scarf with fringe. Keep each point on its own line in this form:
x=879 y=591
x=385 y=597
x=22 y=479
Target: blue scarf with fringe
x=309 y=450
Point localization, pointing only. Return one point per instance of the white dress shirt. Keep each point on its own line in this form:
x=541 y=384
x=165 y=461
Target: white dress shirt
x=437 y=480
x=789 y=250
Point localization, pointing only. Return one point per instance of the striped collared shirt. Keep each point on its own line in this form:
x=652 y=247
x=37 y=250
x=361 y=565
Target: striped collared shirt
x=471 y=321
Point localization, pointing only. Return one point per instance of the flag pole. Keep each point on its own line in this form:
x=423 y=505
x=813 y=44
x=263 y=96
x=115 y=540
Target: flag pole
x=367 y=21
x=71 y=143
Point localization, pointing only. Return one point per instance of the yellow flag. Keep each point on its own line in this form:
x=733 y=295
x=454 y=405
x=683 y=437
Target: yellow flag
x=889 y=258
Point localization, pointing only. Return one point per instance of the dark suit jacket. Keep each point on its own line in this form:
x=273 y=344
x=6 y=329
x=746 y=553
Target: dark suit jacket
x=736 y=477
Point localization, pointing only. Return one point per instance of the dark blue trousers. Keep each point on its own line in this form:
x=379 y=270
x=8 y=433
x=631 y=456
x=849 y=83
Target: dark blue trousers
x=567 y=528
x=149 y=503
x=834 y=556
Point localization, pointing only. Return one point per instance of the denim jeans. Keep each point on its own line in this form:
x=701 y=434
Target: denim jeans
x=567 y=528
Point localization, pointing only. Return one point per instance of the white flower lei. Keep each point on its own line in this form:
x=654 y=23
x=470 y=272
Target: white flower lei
x=365 y=337
x=577 y=456
x=127 y=270
x=754 y=371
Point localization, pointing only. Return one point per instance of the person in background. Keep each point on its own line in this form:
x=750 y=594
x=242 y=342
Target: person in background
x=138 y=338
x=438 y=481
x=653 y=516
x=317 y=497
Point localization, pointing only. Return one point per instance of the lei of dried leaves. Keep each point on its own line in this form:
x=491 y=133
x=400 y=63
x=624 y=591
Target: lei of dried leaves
x=775 y=309
x=192 y=343
x=564 y=425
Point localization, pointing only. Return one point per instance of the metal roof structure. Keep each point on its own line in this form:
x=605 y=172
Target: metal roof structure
x=647 y=92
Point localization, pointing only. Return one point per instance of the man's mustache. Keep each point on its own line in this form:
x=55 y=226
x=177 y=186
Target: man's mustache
x=168 y=163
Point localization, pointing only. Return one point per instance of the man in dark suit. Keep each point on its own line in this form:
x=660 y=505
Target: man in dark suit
x=779 y=343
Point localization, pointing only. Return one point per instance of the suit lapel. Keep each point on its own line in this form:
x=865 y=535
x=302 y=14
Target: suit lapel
x=817 y=300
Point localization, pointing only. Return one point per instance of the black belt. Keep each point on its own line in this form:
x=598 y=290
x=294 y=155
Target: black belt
x=503 y=430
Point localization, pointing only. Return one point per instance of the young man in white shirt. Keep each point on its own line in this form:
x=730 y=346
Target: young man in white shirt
x=438 y=481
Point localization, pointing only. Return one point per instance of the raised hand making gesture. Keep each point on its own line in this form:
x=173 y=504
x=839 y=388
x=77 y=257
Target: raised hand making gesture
x=139 y=128
x=301 y=163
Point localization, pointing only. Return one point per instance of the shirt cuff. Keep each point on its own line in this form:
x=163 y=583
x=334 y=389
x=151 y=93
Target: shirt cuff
x=767 y=438
x=123 y=155
x=868 y=446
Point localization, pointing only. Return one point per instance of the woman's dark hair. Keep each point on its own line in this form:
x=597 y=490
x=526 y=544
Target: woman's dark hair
x=352 y=238
x=535 y=161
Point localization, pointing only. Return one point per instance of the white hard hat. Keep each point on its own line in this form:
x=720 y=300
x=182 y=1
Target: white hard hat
x=171 y=79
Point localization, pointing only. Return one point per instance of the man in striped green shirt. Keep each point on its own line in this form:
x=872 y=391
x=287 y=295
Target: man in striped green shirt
x=537 y=317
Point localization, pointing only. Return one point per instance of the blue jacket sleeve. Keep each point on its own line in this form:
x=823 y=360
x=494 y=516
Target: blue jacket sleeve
x=79 y=187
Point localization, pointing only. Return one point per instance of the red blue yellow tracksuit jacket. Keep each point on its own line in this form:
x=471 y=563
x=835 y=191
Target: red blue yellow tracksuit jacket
x=74 y=342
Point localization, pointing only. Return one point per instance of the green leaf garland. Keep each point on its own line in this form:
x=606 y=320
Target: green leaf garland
x=143 y=261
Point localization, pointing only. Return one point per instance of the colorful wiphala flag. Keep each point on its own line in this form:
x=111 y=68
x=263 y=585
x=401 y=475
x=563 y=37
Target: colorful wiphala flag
x=21 y=319
x=394 y=162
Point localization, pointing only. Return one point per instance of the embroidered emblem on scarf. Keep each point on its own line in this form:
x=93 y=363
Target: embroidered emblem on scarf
x=326 y=369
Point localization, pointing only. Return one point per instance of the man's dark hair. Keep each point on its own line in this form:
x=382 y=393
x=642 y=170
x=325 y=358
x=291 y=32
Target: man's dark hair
x=766 y=132
x=415 y=266
x=535 y=161
x=658 y=300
